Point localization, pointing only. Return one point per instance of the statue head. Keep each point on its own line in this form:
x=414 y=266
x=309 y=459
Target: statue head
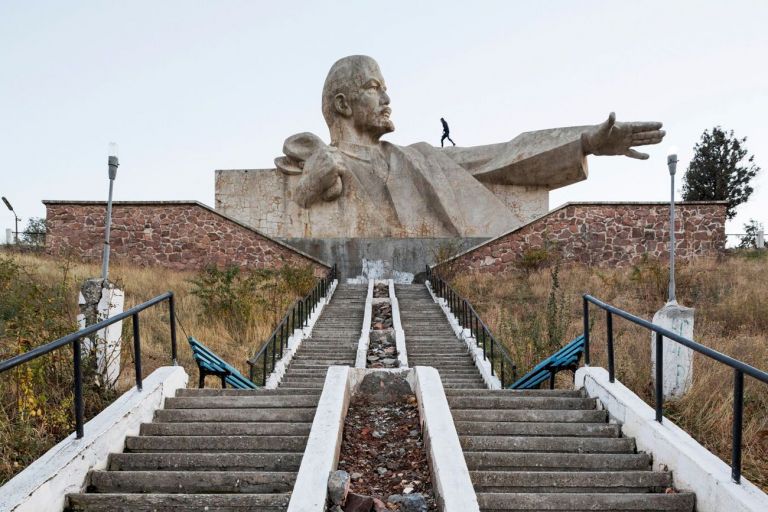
x=355 y=101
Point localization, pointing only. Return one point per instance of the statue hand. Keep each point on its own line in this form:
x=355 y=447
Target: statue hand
x=322 y=177
x=612 y=138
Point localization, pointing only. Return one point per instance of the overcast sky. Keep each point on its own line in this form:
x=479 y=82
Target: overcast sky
x=186 y=87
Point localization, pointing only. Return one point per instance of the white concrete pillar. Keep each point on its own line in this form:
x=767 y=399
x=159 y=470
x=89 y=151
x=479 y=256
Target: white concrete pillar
x=760 y=242
x=8 y=236
x=678 y=359
x=98 y=301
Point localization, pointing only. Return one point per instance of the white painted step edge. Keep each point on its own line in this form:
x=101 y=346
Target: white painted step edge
x=484 y=366
x=397 y=325
x=294 y=341
x=695 y=468
x=365 y=330
x=63 y=469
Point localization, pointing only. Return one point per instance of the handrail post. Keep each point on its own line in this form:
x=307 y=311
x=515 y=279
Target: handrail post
x=586 y=331
x=79 y=406
x=137 y=351
x=172 y=312
x=491 y=360
x=738 y=413
x=659 y=377
x=264 y=372
x=609 y=330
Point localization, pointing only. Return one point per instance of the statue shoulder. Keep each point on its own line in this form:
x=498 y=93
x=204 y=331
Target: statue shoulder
x=297 y=149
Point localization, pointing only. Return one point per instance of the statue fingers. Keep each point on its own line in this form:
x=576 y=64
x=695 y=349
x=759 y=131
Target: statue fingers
x=646 y=141
x=631 y=153
x=645 y=126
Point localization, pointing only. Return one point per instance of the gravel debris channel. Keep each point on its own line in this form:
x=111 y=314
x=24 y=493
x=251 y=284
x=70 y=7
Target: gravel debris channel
x=383 y=452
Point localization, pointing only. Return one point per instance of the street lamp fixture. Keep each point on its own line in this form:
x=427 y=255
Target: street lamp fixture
x=16 y=219
x=672 y=165
x=112 y=163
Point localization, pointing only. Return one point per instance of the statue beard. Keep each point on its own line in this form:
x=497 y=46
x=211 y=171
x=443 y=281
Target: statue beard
x=376 y=123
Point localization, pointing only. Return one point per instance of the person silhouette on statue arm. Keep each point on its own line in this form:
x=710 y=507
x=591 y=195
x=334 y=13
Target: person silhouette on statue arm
x=446 y=133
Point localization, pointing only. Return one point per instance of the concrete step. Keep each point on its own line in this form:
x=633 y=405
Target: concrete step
x=533 y=461
x=158 y=502
x=587 y=501
x=316 y=384
x=550 y=444
x=497 y=428
x=216 y=443
x=539 y=416
x=241 y=402
x=195 y=392
x=503 y=401
x=273 y=415
x=562 y=393
x=464 y=385
x=566 y=481
x=204 y=461
x=184 y=482
x=225 y=429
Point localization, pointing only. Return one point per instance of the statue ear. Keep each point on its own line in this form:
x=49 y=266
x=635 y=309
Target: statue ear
x=341 y=105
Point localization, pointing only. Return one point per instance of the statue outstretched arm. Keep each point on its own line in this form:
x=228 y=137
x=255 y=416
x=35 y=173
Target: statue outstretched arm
x=556 y=157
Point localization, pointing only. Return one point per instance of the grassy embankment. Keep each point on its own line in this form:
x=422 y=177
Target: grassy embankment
x=231 y=312
x=534 y=311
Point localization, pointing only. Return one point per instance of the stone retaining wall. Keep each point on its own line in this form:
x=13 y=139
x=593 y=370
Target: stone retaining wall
x=603 y=234
x=182 y=235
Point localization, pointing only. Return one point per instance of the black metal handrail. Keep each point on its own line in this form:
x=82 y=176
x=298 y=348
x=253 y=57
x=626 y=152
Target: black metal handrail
x=739 y=369
x=298 y=315
x=75 y=339
x=493 y=351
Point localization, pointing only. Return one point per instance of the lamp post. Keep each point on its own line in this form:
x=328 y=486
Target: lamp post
x=16 y=218
x=112 y=163
x=672 y=165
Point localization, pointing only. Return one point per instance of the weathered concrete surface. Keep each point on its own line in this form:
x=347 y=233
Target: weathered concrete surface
x=399 y=259
x=321 y=455
x=695 y=468
x=677 y=374
x=360 y=186
x=450 y=475
x=44 y=484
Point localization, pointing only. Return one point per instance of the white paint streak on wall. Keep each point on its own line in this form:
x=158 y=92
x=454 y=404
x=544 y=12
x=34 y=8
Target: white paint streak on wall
x=695 y=468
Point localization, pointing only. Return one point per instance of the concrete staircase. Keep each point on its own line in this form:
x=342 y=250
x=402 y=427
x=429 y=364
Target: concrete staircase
x=334 y=339
x=209 y=449
x=554 y=450
x=430 y=341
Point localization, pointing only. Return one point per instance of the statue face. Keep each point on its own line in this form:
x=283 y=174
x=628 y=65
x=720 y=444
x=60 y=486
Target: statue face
x=370 y=103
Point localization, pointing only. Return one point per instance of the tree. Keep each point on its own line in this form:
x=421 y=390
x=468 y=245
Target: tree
x=749 y=239
x=34 y=234
x=719 y=171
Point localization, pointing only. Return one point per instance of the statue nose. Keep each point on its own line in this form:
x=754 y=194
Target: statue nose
x=384 y=98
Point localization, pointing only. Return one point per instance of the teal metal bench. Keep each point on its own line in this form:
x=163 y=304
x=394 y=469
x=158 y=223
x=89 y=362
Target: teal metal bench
x=209 y=363
x=567 y=358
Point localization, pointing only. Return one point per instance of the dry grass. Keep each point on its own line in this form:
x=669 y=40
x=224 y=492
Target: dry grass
x=143 y=283
x=36 y=399
x=731 y=300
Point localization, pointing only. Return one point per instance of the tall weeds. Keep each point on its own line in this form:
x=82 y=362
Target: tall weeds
x=731 y=300
x=232 y=311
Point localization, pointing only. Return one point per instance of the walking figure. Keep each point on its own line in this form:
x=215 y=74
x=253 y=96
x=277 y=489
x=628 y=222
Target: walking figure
x=446 y=133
